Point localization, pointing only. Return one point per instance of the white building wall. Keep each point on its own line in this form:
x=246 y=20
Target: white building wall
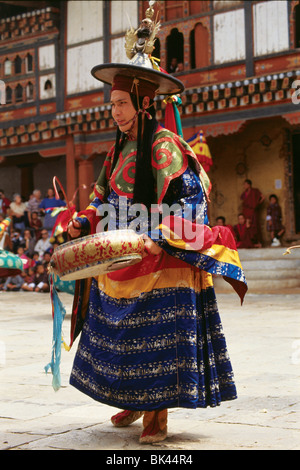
x=84 y=44
x=124 y=14
x=46 y=57
x=80 y=61
x=118 y=53
x=85 y=21
x=271 y=31
x=229 y=36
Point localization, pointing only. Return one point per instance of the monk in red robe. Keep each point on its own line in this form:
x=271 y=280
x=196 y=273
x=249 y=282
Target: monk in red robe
x=252 y=199
x=243 y=233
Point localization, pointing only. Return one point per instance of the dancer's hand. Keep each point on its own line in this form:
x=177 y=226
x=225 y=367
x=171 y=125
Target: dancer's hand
x=150 y=247
x=74 y=228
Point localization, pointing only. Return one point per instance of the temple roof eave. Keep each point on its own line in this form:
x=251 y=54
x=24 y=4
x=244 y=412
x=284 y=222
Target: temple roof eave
x=207 y=106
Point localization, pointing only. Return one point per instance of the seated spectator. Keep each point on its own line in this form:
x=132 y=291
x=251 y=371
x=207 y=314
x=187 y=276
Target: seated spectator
x=4 y=203
x=18 y=213
x=36 y=224
x=41 y=279
x=243 y=233
x=28 y=279
x=46 y=258
x=13 y=283
x=47 y=205
x=34 y=202
x=222 y=221
x=29 y=242
x=40 y=282
x=35 y=258
x=27 y=262
x=43 y=244
x=17 y=240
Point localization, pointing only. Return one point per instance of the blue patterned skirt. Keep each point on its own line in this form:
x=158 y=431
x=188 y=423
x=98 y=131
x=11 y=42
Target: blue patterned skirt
x=159 y=347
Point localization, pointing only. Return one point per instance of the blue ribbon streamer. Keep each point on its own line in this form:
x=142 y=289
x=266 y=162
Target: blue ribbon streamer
x=59 y=314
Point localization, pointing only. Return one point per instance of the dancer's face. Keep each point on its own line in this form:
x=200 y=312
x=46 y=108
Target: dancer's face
x=123 y=111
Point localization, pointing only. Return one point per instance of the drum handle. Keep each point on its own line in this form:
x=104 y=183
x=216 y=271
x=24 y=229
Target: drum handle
x=55 y=179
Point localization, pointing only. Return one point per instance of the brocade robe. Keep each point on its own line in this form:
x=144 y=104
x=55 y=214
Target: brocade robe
x=150 y=334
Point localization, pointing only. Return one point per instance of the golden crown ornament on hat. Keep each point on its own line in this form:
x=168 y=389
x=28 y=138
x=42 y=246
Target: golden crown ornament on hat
x=142 y=40
x=139 y=45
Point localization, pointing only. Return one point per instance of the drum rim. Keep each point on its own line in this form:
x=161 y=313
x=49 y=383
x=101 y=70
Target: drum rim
x=93 y=235
x=133 y=256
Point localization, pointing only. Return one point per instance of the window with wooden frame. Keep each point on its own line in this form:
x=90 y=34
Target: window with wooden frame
x=19 y=93
x=18 y=64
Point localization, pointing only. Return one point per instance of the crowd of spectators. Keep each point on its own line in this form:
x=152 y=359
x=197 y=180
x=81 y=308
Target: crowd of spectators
x=30 y=232
x=247 y=230
x=29 y=237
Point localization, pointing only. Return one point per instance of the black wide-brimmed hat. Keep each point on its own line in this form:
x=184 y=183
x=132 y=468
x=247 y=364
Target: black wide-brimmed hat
x=166 y=84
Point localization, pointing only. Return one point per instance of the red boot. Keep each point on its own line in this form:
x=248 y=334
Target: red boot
x=125 y=418
x=155 y=426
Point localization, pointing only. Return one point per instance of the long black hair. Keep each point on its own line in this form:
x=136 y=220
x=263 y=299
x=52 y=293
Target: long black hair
x=144 y=185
